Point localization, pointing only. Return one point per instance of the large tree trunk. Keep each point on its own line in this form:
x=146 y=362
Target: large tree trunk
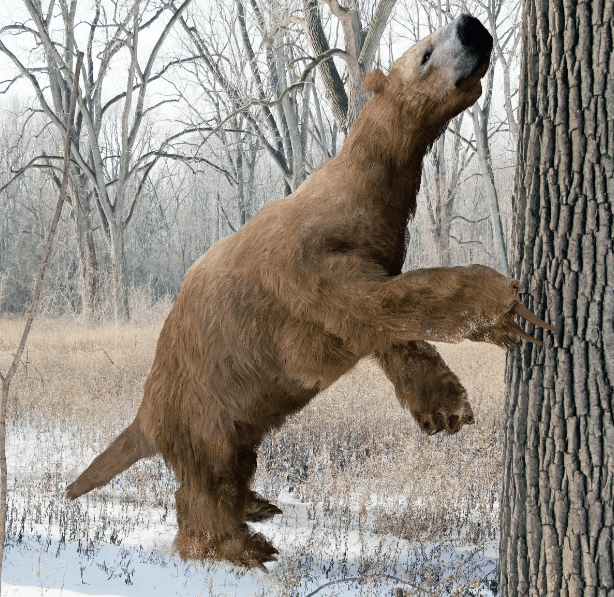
x=557 y=516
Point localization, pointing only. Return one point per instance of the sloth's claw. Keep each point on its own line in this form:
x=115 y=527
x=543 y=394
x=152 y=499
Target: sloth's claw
x=521 y=310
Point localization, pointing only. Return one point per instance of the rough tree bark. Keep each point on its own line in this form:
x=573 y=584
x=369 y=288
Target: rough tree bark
x=557 y=516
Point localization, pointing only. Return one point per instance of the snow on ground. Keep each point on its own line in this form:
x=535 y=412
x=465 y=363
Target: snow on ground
x=54 y=570
x=129 y=552
x=42 y=567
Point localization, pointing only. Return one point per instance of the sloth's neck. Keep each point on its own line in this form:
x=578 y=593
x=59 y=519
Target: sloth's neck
x=384 y=151
x=381 y=166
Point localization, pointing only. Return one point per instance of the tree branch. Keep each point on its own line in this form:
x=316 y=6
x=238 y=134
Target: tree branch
x=251 y=103
x=268 y=116
x=327 y=55
x=467 y=220
x=366 y=577
x=333 y=85
x=466 y=141
x=29 y=165
x=155 y=77
x=339 y=11
x=9 y=83
x=147 y=72
x=187 y=159
x=137 y=193
x=468 y=242
x=225 y=214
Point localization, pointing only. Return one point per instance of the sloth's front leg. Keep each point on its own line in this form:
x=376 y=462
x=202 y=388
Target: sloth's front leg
x=425 y=385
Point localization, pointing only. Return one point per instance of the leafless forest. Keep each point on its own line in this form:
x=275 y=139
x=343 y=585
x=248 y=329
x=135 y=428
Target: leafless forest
x=192 y=116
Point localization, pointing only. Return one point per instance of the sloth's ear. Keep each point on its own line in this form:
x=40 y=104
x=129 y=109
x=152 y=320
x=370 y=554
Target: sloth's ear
x=376 y=81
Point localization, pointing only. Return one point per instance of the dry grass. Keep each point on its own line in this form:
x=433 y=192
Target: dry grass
x=352 y=452
x=78 y=373
x=355 y=439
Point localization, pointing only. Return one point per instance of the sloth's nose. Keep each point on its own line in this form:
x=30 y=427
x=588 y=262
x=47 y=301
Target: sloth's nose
x=474 y=36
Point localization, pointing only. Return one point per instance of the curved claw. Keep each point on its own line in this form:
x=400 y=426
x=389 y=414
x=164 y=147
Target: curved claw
x=258 y=564
x=521 y=310
x=518 y=330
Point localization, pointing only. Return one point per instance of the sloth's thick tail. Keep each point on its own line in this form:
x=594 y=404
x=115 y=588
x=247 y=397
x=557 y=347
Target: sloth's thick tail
x=128 y=447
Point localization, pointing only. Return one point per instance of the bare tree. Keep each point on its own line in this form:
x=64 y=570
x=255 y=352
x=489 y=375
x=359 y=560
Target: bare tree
x=480 y=115
x=264 y=86
x=34 y=148
x=361 y=46
x=109 y=168
x=504 y=21
x=442 y=178
x=557 y=512
x=443 y=168
x=260 y=89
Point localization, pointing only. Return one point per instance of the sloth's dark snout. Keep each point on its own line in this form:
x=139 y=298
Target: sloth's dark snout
x=474 y=36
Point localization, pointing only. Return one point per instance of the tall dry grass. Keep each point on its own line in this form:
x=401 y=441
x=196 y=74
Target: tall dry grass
x=352 y=453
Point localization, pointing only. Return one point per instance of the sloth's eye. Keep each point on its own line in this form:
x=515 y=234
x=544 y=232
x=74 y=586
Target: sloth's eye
x=426 y=57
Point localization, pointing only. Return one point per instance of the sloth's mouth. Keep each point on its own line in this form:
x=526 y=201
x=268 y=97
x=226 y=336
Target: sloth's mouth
x=473 y=80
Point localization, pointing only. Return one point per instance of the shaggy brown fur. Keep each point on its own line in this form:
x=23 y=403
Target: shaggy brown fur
x=278 y=311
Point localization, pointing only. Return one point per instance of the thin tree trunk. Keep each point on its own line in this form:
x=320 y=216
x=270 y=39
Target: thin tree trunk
x=118 y=262
x=488 y=179
x=6 y=380
x=557 y=514
x=88 y=262
x=440 y=188
x=445 y=203
x=90 y=275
